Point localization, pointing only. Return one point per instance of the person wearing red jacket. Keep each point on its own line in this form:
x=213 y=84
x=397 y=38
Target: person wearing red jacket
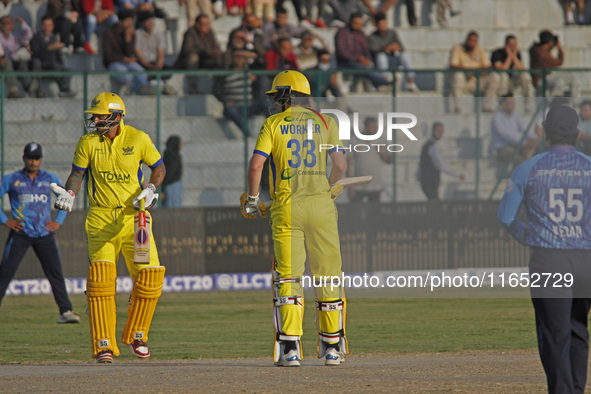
x=96 y=19
x=282 y=57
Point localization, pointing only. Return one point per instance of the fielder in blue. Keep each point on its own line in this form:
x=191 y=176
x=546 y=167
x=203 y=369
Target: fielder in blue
x=30 y=200
x=555 y=189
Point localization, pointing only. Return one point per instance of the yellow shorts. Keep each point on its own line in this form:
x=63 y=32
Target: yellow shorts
x=308 y=226
x=110 y=232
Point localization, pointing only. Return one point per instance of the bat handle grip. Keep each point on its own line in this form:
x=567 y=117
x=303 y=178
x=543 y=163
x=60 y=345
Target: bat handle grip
x=143 y=204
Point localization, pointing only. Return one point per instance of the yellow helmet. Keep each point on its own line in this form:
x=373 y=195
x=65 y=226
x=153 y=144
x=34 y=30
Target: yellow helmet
x=106 y=103
x=294 y=80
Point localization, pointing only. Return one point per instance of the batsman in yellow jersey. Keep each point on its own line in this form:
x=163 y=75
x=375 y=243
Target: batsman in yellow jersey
x=111 y=155
x=303 y=217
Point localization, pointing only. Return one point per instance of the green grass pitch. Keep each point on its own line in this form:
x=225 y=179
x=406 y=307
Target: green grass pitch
x=239 y=325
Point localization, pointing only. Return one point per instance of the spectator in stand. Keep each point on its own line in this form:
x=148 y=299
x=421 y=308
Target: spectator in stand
x=507 y=131
x=431 y=164
x=68 y=21
x=119 y=54
x=466 y=58
x=343 y=9
x=150 y=47
x=282 y=57
x=297 y=6
x=568 y=12
x=250 y=41
x=46 y=48
x=17 y=48
x=320 y=6
x=238 y=44
x=388 y=51
x=280 y=29
x=98 y=17
x=584 y=142
x=205 y=8
x=541 y=57
x=11 y=81
x=410 y=10
x=328 y=82
x=251 y=27
x=352 y=50
x=264 y=10
x=306 y=52
x=200 y=50
x=441 y=6
x=235 y=7
x=172 y=186
x=230 y=91
x=507 y=59
x=142 y=6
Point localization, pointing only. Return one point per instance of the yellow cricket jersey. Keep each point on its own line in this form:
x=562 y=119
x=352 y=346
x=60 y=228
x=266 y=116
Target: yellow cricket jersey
x=298 y=164
x=115 y=167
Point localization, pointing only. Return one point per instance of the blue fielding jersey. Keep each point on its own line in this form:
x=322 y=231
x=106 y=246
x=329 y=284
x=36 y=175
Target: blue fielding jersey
x=30 y=200
x=555 y=188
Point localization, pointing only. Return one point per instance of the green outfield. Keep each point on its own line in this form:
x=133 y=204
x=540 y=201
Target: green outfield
x=239 y=325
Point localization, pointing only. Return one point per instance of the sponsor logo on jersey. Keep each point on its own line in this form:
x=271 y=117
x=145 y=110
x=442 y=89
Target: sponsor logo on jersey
x=128 y=151
x=288 y=119
x=31 y=198
x=115 y=178
x=286 y=174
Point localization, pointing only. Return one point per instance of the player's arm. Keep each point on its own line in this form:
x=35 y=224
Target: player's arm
x=255 y=171
x=339 y=166
x=13 y=224
x=74 y=181
x=249 y=202
x=157 y=175
x=54 y=225
x=512 y=200
x=149 y=194
x=65 y=196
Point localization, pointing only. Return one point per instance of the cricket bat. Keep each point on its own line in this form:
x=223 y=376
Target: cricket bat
x=345 y=182
x=141 y=241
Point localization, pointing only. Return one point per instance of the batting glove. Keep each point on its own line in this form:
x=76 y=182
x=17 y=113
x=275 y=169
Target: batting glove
x=149 y=195
x=65 y=198
x=336 y=190
x=251 y=207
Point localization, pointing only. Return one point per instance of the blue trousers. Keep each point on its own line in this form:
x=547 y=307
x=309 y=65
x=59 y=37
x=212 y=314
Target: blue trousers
x=46 y=250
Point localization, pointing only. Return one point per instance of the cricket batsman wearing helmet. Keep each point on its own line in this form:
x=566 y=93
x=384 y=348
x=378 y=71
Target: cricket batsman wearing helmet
x=303 y=217
x=111 y=155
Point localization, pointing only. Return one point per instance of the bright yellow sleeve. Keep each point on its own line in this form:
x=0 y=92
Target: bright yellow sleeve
x=82 y=155
x=151 y=155
x=264 y=144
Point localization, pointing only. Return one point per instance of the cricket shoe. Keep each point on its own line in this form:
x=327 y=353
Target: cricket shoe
x=289 y=359
x=106 y=356
x=68 y=317
x=139 y=349
x=333 y=357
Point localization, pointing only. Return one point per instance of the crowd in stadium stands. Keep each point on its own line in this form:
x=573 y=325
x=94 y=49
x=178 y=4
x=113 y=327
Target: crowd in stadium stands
x=130 y=41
